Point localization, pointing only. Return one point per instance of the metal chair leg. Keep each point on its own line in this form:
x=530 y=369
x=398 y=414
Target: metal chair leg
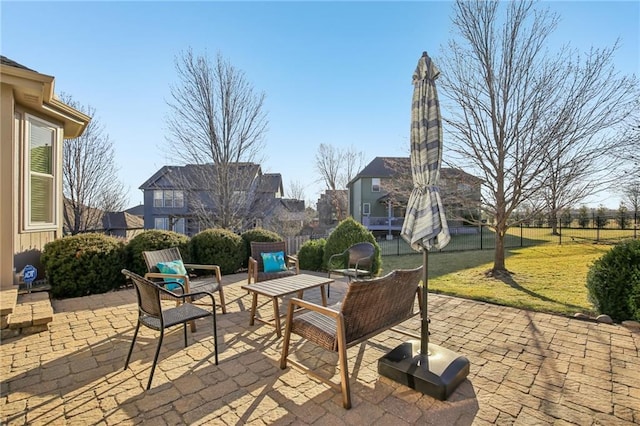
x=215 y=335
x=184 y=326
x=133 y=342
x=155 y=358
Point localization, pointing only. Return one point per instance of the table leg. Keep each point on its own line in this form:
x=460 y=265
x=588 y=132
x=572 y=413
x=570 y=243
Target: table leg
x=276 y=312
x=254 y=305
x=323 y=293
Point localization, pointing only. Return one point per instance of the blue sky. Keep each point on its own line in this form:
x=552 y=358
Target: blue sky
x=333 y=72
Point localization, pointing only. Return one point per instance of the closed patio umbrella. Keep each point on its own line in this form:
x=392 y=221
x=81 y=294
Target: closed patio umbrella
x=432 y=370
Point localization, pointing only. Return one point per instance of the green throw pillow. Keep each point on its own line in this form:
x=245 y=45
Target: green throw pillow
x=173 y=267
x=273 y=262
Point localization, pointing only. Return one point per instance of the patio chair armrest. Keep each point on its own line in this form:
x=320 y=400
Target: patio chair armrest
x=294 y=259
x=215 y=268
x=170 y=293
x=161 y=275
x=327 y=311
x=336 y=256
x=199 y=293
x=252 y=270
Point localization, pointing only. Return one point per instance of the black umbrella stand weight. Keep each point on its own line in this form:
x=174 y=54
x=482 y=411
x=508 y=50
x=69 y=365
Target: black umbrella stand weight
x=423 y=366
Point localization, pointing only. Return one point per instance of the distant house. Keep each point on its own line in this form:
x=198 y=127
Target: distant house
x=178 y=197
x=378 y=195
x=122 y=224
x=117 y=224
x=33 y=125
x=332 y=207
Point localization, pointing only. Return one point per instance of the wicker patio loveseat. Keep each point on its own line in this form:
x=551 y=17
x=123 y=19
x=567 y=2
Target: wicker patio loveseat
x=368 y=308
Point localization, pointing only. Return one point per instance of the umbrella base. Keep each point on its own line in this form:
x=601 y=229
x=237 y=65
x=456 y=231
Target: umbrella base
x=436 y=375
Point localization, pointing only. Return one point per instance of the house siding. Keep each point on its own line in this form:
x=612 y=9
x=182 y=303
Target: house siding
x=8 y=180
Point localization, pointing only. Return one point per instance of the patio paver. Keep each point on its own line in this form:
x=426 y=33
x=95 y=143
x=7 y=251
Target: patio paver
x=526 y=368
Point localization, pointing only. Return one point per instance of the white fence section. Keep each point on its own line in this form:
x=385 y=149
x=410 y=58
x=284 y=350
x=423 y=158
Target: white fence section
x=294 y=243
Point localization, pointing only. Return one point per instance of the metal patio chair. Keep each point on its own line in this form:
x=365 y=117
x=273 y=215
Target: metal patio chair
x=355 y=262
x=151 y=313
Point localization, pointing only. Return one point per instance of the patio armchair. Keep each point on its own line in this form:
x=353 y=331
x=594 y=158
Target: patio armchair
x=287 y=265
x=355 y=262
x=170 y=260
x=369 y=307
x=151 y=313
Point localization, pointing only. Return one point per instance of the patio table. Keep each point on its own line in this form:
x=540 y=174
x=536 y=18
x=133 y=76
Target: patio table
x=281 y=287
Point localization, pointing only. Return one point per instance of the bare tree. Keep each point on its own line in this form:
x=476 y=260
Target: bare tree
x=336 y=168
x=217 y=120
x=509 y=100
x=353 y=162
x=584 y=134
x=631 y=193
x=329 y=161
x=296 y=190
x=90 y=185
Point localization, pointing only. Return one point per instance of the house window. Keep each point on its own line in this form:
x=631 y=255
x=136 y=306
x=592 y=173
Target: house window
x=178 y=199
x=366 y=209
x=168 y=198
x=161 y=223
x=158 y=200
x=40 y=143
x=375 y=184
x=170 y=224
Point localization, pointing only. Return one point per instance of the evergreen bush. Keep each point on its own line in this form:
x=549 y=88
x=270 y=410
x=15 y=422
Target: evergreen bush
x=154 y=239
x=613 y=282
x=347 y=233
x=257 y=234
x=84 y=264
x=311 y=254
x=218 y=247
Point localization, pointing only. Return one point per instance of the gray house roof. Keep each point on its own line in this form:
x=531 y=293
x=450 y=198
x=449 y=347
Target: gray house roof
x=382 y=167
x=121 y=220
x=192 y=176
x=271 y=183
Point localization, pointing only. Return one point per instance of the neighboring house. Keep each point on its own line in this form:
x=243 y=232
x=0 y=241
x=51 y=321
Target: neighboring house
x=89 y=219
x=136 y=210
x=122 y=224
x=176 y=197
x=33 y=124
x=332 y=207
x=378 y=195
x=117 y=224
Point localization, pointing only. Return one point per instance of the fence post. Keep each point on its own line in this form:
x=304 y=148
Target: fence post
x=398 y=246
x=521 y=233
x=560 y=231
x=598 y=228
x=481 y=237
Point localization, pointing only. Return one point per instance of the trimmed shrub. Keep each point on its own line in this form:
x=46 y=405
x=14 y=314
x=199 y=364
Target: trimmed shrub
x=84 y=264
x=347 y=233
x=311 y=254
x=154 y=239
x=256 y=234
x=218 y=247
x=613 y=282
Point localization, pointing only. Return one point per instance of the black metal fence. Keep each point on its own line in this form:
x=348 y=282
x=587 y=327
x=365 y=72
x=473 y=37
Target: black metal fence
x=484 y=238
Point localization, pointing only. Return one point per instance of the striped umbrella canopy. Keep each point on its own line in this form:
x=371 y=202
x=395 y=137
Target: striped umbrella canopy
x=425 y=225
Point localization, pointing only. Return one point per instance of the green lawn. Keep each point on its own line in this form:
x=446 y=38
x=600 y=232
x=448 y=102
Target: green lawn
x=545 y=278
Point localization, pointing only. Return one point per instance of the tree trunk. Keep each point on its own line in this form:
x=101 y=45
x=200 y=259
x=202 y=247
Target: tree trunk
x=498 y=261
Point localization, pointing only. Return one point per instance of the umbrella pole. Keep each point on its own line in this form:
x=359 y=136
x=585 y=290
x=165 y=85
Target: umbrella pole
x=424 y=338
x=431 y=369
